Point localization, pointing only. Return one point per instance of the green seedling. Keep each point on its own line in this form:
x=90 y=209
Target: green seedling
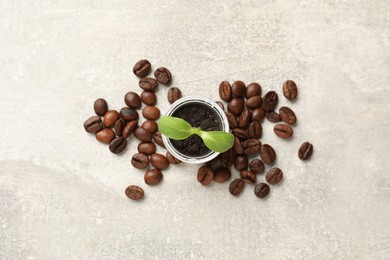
x=179 y=129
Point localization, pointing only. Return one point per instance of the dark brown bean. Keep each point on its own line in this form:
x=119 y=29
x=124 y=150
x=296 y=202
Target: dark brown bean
x=110 y=118
x=153 y=177
x=236 y=187
x=148 y=83
x=273 y=117
x=233 y=123
x=254 y=102
x=222 y=174
x=257 y=166
x=248 y=177
x=283 y=131
x=236 y=106
x=147 y=148
x=255 y=130
x=237 y=146
x=290 y=90
x=128 y=114
x=258 y=114
x=238 y=88
x=149 y=98
x=119 y=125
x=227 y=158
x=205 y=175
x=93 y=124
x=150 y=126
x=251 y=146
x=241 y=133
x=214 y=161
x=253 y=89
x=142 y=68
x=132 y=100
x=129 y=128
x=163 y=76
x=225 y=91
x=287 y=115
x=241 y=162
x=159 y=161
x=220 y=104
x=173 y=95
x=118 y=145
x=143 y=135
x=262 y=190
x=172 y=159
x=267 y=153
x=305 y=151
x=105 y=136
x=140 y=161
x=270 y=101
x=274 y=176
x=151 y=112
x=245 y=118
x=157 y=139
x=100 y=106
x=134 y=192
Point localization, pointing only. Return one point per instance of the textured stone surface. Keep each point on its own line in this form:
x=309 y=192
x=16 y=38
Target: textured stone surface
x=62 y=192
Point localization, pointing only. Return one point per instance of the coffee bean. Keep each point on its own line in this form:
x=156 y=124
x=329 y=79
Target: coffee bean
x=174 y=94
x=267 y=153
x=100 y=106
x=251 y=146
x=233 y=123
x=105 y=136
x=241 y=162
x=237 y=146
x=274 y=176
x=142 y=68
x=245 y=118
x=255 y=130
x=147 y=148
x=241 y=133
x=222 y=174
x=118 y=145
x=287 y=115
x=205 y=175
x=253 y=89
x=159 y=161
x=153 y=177
x=262 y=190
x=236 y=187
x=256 y=166
x=132 y=100
x=172 y=159
x=129 y=128
x=93 y=124
x=254 y=102
x=128 y=114
x=270 y=101
x=150 y=126
x=305 y=151
x=238 y=89
x=143 y=135
x=151 y=112
x=149 y=98
x=283 y=131
x=227 y=158
x=134 y=192
x=258 y=114
x=157 y=139
x=220 y=104
x=290 y=90
x=110 y=118
x=248 y=177
x=163 y=76
x=119 y=125
x=273 y=117
x=214 y=161
x=140 y=161
x=225 y=91
x=236 y=106
x=148 y=83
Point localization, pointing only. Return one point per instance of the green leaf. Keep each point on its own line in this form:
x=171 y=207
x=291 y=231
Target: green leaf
x=217 y=141
x=175 y=128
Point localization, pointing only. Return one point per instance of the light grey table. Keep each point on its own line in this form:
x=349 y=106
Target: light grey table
x=62 y=192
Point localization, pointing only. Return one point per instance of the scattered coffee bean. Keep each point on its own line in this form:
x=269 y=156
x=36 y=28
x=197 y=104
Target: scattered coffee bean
x=227 y=158
x=100 y=106
x=290 y=90
x=118 y=145
x=110 y=118
x=256 y=166
x=251 y=146
x=273 y=117
x=236 y=106
x=233 y=123
x=153 y=177
x=238 y=89
x=237 y=146
x=172 y=159
x=148 y=84
x=148 y=98
x=220 y=104
x=93 y=124
x=140 y=161
x=142 y=135
x=159 y=161
x=253 y=89
x=174 y=94
x=105 y=136
x=255 y=130
x=267 y=153
x=248 y=177
x=305 y=151
x=132 y=100
x=151 y=112
x=147 y=148
x=222 y=174
x=241 y=133
x=258 y=114
x=205 y=175
x=150 y=126
x=283 y=131
x=129 y=128
x=225 y=91
x=142 y=68
x=274 y=176
x=262 y=190
x=157 y=139
x=163 y=76
x=245 y=118
x=134 y=192
x=270 y=101
x=254 y=102
x=119 y=125
x=236 y=187
x=287 y=115
x=128 y=114
x=241 y=162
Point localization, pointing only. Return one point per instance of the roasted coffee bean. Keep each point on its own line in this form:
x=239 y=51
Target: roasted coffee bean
x=134 y=192
x=148 y=98
x=129 y=128
x=238 y=88
x=214 y=161
x=254 y=102
x=236 y=187
x=105 y=136
x=256 y=166
x=172 y=159
x=110 y=118
x=262 y=190
x=151 y=112
x=270 y=101
x=118 y=145
x=140 y=161
x=128 y=114
x=143 y=135
x=258 y=114
x=174 y=94
x=241 y=133
x=205 y=175
x=225 y=91
x=222 y=174
x=132 y=100
x=255 y=130
x=119 y=125
x=142 y=68
x=93 y=124
x=274 y=176
x=237 y=146
x=163 y=76
x=157 y=139
x=248 y=177
x=245 y=118
x=153 y=177
x=267 y=153
x=251 y=146
x=283 y=131
x=290 y=90
x=100 y=106
x=253 y=89
x=273 y=117
x=305 y=151
x=150 y=126
x=241 y=162
x=148 y=83
x=220 y=104
x=159 y=161
x=147 y=148
x=233 y=123
x=236 y=106
x=287 y=115
x=227 y=158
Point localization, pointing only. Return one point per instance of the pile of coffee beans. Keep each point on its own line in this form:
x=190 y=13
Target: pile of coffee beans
x=246 y=110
